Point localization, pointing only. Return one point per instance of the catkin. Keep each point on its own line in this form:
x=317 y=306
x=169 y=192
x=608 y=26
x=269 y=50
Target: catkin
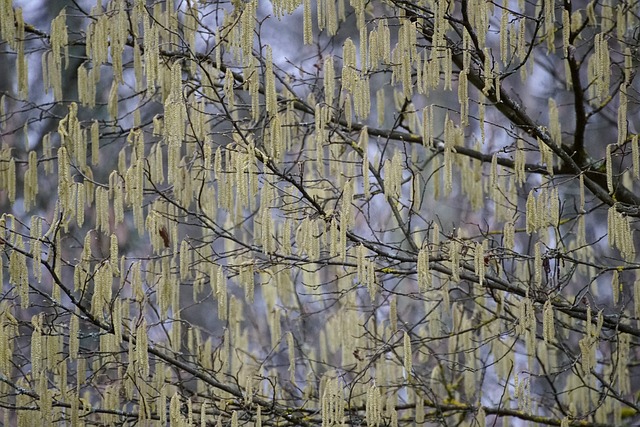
x=292 y=357
x=622 y=116
x=609 y=169
x=548 y=326
x=35 y=235
x=531 y=213
x=373 y=407
x=407 y=354
x=307 y=23
x=616 y=286
x=424 y=273
x=31 y=181
x=21 y=60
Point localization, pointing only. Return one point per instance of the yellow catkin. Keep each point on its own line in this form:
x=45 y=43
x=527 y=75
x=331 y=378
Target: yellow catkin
x=519 y=163
x=113 y=101
x=21 y=60
x=64 y=177
x=374 y=51
x=616 y=287
x=628 y=66
x=554 y=208
x=141 y=351
x=508 y=235
x=531 y=213
x=635 y=153
x=307 y=23
x=430 y=76
x=138 y=67
x=407 y=354
x=174 y=122
x=636 y=295
x=229 y=83
x=320 y=14
x=463 y=99
x=440 y=24
x=541 y=208
x=581 y=192
x=102 y=209
x=36 y=246
x=451 y=137
x=221 y=293
x=373 y=406
x=466 y=51
x=454 y=260
x=292 y=357
x=427 y=125
x=18 y=272
x=493 y=177
x=349 y=72
x=602 y=64
x=582 y=232
x=609 y=168
x=331 y=17
x=151 y=51
x=59 y=37
x=554 y=122
x=548 y=326
x=270 y=84
x=447 y=69
x=31 y=181
x=363 y=143
x=479 y=262
x=53 y=61
x=95 y=143
x=185 y=261
x=424 y=273
x=522 y=41
x=8 y=331
x=329 y=80
x=408 y=51
x=74 y=338
x=7 y=27
x=118 y=33
x=113 y=253
x=37 y=350
x=3 y=110
x=395 y=174
x=627 y=249
x=116 y=188
x=546 y=155
x=46 y=81
x=505 y=30
x=103 y=286
x=566 y=47
x=488 y=77
x=91 y=87
x=612 y=217
x=9 y=179
x=622 y=116
x=97 y=37
x=362 y=98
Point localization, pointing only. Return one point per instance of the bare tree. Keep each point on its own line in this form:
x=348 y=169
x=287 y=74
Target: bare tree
x=320 y=213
